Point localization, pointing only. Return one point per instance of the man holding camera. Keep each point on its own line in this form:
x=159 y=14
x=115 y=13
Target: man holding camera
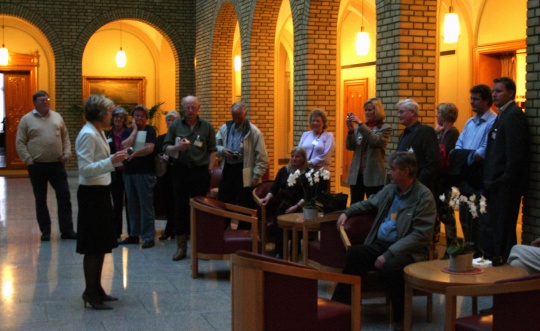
x=241 y=146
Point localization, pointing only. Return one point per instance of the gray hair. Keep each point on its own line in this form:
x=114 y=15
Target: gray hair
x=405 y=160
x=410 y=104
x=120 y=111
x=172 y=113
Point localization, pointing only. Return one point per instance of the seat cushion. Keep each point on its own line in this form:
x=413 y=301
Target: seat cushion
x=332 y=315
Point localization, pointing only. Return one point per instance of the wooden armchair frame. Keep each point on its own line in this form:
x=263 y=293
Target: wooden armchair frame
x=263 y=220
x=232 y=211
x=248 y=290
x=483 y=290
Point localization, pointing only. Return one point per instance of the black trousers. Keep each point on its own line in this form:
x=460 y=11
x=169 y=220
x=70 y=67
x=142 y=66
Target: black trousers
x=232 y=190
x=358 y=191
x=55 y=173
x=188 y=183
x=118 y=197
x=361 y=258
x=499 y=237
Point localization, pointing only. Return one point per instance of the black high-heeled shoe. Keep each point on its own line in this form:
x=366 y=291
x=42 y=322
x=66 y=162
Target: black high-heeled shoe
x=106 y=297
x=89 y=303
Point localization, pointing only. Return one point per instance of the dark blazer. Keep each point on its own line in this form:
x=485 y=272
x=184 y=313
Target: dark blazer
x=507 y=152
x=425 y=145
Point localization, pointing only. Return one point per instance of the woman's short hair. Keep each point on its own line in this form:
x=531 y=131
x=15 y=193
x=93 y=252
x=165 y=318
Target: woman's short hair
x=120 y=111
x=319 y=113
x=380 y=115
x=96 y=106
x=448 y=111
x=302 y=152
x=409 y=104
x=172 y=113
x=405 y=160
x=140 y=108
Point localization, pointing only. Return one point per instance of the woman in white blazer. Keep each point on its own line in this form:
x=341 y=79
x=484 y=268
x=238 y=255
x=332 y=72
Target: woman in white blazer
x=368 y=141
x=96 y=228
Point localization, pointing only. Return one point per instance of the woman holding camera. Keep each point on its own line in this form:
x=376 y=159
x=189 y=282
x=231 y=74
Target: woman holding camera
x=368 y=141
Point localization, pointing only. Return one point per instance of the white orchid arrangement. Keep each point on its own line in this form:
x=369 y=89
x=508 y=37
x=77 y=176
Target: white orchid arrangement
x=309 y=185
x=476 y=202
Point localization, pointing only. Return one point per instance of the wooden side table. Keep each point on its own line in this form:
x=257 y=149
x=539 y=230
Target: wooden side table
x=293 y=222
x=428 y=277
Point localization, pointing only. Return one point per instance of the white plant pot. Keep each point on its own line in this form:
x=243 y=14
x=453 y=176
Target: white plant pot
x=310 y=213
x=461 y=263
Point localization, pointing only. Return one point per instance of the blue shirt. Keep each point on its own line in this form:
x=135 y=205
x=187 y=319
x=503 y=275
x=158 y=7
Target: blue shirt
x=388 y=229
x=475 y=132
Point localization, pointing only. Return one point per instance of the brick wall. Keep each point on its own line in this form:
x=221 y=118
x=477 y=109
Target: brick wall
x=531 y=202
x=68 y=25
x=406 y=50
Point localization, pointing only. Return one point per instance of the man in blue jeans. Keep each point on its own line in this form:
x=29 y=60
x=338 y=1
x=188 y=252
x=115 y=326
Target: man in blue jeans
x=43 y=144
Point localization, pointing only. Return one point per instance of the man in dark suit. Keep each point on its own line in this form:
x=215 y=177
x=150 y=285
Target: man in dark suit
x=420 y=139
x=506 y=170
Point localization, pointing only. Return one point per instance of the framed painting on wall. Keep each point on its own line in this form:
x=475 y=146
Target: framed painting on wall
x=124 y=91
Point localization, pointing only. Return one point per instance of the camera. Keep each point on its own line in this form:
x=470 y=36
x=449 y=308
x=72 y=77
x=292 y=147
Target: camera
x=130 y=151
x=235 y=155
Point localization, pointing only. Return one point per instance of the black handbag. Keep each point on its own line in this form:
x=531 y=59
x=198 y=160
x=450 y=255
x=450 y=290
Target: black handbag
x=333 y=202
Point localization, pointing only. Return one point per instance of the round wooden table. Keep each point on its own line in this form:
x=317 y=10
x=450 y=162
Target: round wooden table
x=428 y=276
x=293 y=222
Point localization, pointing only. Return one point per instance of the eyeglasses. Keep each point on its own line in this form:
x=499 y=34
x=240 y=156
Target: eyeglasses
x=474 y=99
x=44 y=100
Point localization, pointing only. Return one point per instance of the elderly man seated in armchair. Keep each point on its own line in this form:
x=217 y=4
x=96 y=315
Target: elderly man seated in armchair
x=400 y=235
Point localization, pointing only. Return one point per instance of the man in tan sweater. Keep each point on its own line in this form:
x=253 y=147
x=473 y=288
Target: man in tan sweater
x=43 y=144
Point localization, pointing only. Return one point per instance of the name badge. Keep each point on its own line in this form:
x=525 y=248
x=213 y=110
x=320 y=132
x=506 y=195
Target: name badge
x=198 y=143
x=315 y=142
x=109 y=140
x=393 y=216
x=494 y=134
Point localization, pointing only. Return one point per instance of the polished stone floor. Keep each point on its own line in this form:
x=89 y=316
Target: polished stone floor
x=42 y=282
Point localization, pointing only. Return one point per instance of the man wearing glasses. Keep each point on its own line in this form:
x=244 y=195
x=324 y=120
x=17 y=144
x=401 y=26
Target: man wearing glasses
x=43 y=144
x=191 y=144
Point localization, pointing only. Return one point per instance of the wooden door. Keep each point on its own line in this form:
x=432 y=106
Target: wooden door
x=355 y=96
x=18 y=98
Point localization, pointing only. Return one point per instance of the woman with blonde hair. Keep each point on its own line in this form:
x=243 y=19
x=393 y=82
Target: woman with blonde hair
x=96 y=228
x=368 y=140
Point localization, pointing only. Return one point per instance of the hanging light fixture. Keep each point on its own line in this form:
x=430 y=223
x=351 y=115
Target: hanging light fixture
x=451 y=26
x=4 y=54
x=362 y=38
x=237 y=63
x=121 y=55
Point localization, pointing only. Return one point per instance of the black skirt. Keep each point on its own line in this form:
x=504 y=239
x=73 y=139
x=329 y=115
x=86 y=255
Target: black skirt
x=95 y=229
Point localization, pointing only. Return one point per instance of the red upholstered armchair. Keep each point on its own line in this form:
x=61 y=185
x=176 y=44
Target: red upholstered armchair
x=272 y=294
x=209 y=238
x=266 y=213
x=516 y=305
x=215 y=179
x=328 y=252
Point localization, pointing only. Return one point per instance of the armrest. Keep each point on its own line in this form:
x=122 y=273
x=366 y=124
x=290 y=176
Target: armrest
x=240 y=209
x=344 y=237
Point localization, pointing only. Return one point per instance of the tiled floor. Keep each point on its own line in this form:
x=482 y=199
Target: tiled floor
x=42 y=283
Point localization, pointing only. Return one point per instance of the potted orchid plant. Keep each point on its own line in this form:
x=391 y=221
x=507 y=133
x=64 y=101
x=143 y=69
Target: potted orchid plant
x=310 y=181
x=460 y=249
